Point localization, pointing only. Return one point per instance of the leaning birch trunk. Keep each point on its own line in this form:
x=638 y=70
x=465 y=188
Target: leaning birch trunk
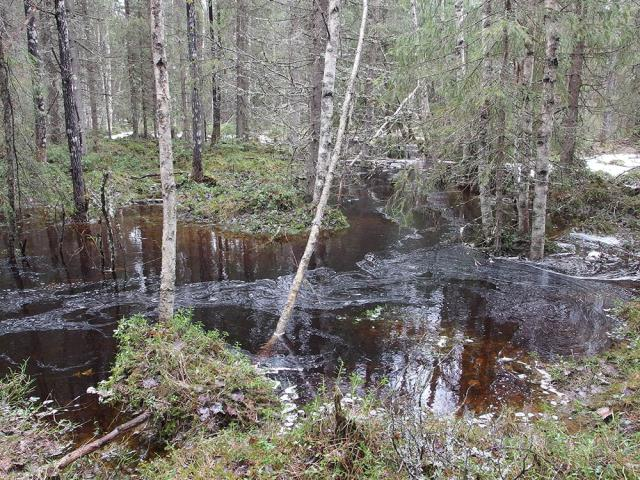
x=287 y=311
x=38 y=81
x=328 y=87
x=544 y=131
x=484 y=167
x=163 y=119
x=72 y=121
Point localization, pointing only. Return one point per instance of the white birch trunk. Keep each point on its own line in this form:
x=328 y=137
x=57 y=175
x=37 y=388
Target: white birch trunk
x=328 y=87
x=163 y=119
x=544 y=131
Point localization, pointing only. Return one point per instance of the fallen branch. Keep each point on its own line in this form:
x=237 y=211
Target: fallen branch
x=98 y=443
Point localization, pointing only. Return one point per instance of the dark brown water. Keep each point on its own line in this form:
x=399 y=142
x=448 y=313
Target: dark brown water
x=410 y=307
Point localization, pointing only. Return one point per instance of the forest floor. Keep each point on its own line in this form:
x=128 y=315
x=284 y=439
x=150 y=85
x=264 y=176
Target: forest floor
x=248 y=188
x=213 y=415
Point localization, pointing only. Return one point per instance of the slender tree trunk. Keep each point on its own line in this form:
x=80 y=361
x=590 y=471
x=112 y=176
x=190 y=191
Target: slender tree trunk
x=484 y=167
x=107 y=87
x=287 y=311
x=90 y=69
x=609 y=92
x=196 y=104
x=501 y=125
x=461 y=43
x=216 y=98
x=318 y=43
x=242 y=76
x=328 y=87
x=37 y=77
x=525 y=153
x=9 y=141
x=184 y=109
x=72 y=120
x=570 y=126
x=544 y=131
x=163 y=120
x=77 y=78
x=131 y=71
x=54 y=129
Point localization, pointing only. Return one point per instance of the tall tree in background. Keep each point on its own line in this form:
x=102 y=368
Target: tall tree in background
x=570 y=124
x=48 y=43
x=216 y=97
x=9 y=137
x=72 y=120
x=131 y=71
x=318 y=44
x=484 y=165
x=163 y=119
x=37 y=79
x=196 y=104
x=544 y=131
x=242 y=75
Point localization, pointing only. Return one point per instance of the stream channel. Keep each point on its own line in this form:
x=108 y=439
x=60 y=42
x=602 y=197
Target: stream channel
x=411 y=307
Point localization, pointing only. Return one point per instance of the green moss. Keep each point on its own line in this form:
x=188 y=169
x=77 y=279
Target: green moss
x=248 y=188
x=187 y=378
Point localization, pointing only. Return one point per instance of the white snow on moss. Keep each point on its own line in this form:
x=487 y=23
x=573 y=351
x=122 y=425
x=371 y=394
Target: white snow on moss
x=614 y=164
x=603 y=239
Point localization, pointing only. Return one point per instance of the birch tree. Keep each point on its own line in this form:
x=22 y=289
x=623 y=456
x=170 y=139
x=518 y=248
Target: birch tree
x=163 y=119
x=287 y=311
x=544 y=131
x=328 y=87
x=242 y=75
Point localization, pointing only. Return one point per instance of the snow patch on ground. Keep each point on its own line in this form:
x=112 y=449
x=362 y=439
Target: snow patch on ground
x=603 y=239
x=121 y=135
x=614 y=164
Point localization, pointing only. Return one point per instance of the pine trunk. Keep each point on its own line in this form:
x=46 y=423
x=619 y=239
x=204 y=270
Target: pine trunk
x=196 y=105
x=163 y=120
x=484 y=167
x=72 y=120
x=570 y=126
x=37 y=79
x=131 y=71
x=242 y=78
x=525 y=151
x=10 y=145
x=544 y=131
x=214 y=32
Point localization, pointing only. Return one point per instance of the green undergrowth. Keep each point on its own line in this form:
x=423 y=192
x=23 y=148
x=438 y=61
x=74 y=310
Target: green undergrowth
x=27 y=441
x=185 y=377
x=248 y=188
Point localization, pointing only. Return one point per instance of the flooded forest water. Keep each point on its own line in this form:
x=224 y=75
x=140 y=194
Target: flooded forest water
x=412 y=307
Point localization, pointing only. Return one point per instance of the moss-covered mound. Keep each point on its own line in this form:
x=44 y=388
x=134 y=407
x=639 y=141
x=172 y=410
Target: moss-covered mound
x=187 y=378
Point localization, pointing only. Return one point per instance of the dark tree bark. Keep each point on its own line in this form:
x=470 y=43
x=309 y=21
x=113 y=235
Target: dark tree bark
x=318 y=44
x=54 y=129
x=196 y=105
x=216 y=97
x=72 y=120
x=10 y=145
x=242 y=78
x=131 y=71
x=37 y=78
x=570 y=125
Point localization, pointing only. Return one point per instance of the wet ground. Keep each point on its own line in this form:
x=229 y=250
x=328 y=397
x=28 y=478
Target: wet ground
x=408 y=307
